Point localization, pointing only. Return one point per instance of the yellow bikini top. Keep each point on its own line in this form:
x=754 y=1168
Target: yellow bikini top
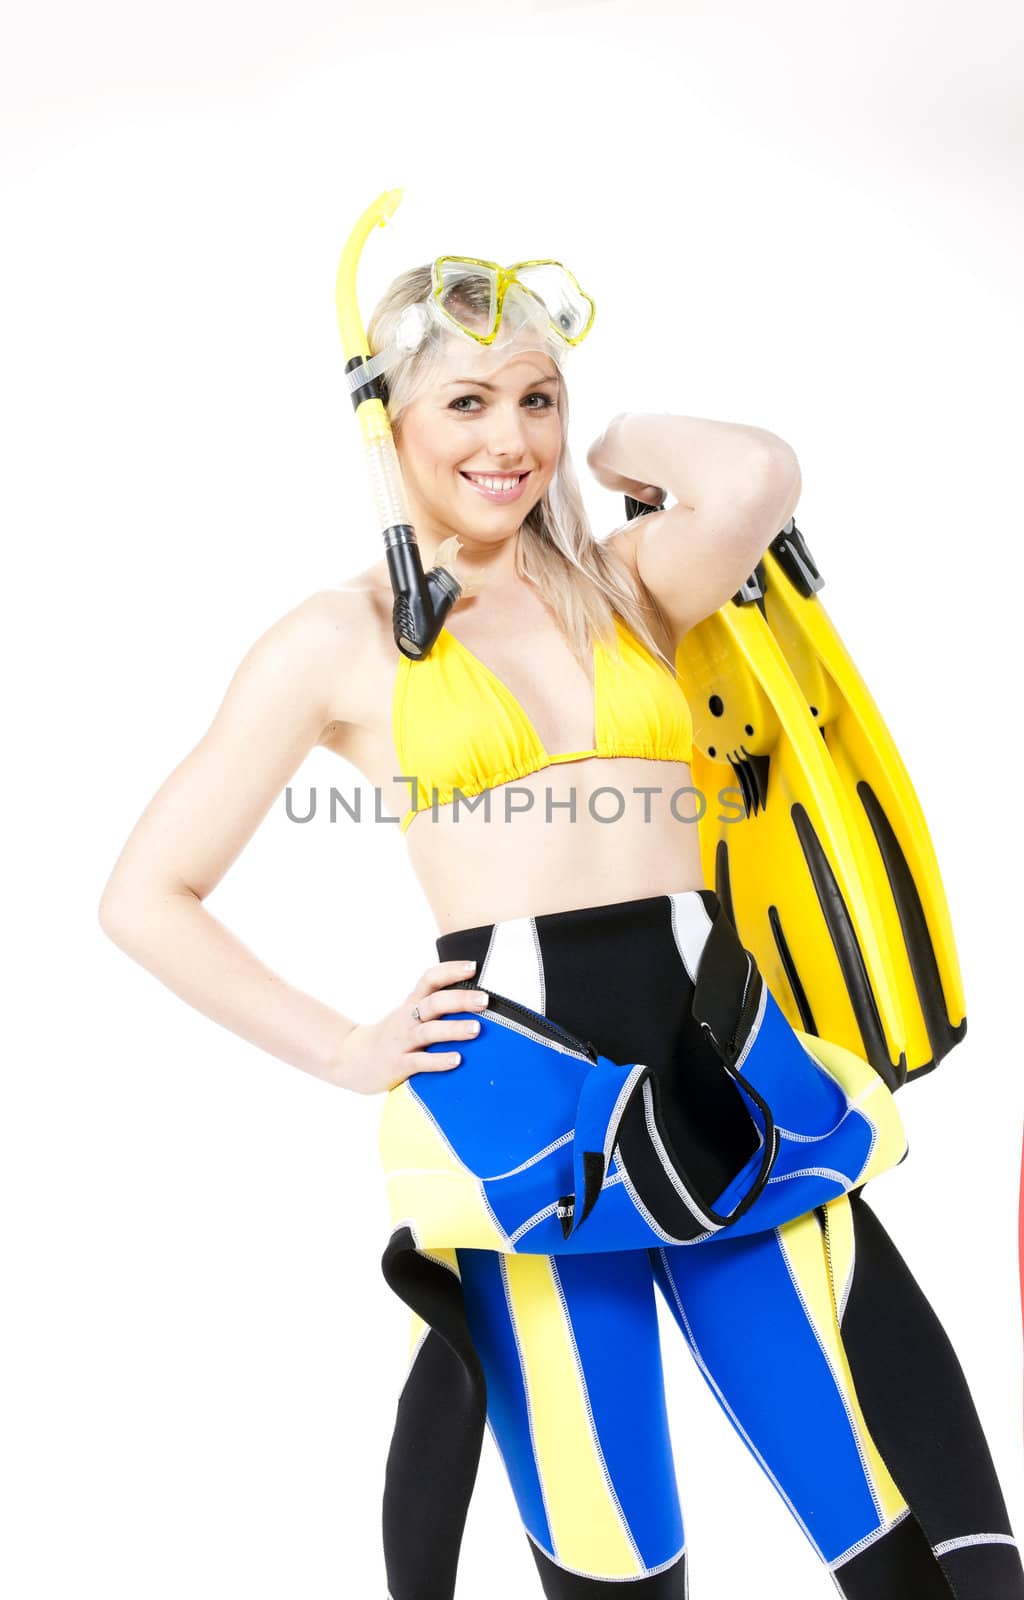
x=456 y=725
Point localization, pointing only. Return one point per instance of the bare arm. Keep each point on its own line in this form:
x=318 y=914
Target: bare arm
x=197 y=823
x=736 y=488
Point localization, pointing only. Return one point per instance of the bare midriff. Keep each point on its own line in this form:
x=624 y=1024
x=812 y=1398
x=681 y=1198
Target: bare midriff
x=522 y=850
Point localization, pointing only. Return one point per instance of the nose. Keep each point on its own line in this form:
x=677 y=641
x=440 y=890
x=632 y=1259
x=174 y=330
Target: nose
x=506 y=433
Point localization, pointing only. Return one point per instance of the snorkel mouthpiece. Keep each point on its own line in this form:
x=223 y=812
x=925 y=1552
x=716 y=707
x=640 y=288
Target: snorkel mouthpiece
x=422 y=601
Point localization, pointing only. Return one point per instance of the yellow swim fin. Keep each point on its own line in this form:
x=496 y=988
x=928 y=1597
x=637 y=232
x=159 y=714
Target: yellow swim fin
x=819 y=849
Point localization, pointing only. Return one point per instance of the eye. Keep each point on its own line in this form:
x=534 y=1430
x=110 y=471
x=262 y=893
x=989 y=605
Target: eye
x=467 y=404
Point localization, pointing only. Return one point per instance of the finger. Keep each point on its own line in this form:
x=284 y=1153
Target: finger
x=445 y=1000
x=443 y=972
x=441 y=1032
x=433 y=1060
x=440 y=1002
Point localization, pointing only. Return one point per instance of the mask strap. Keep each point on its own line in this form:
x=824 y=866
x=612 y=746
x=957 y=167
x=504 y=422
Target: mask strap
x=367 y=371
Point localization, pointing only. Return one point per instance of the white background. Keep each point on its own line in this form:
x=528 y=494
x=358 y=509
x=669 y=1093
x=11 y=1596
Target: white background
x=802 y=216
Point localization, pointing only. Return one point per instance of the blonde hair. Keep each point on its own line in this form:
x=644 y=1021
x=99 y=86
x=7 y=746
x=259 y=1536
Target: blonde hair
x=584 y=584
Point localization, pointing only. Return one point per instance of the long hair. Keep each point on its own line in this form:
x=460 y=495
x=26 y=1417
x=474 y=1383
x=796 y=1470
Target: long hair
x=582 y=582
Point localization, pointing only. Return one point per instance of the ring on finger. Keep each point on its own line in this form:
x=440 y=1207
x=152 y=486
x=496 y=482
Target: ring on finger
x=416 y=1013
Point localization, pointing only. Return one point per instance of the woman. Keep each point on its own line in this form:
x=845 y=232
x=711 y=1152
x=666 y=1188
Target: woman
x=550 y=691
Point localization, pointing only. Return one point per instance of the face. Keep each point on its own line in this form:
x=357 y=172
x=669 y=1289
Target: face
x=480 y=444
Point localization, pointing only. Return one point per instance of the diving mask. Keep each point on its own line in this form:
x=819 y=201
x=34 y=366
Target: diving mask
x=481 y=300
x=470 y=295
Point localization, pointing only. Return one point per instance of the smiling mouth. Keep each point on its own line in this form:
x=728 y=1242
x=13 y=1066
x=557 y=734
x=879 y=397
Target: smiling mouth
x=504 y=480
x=498 y=485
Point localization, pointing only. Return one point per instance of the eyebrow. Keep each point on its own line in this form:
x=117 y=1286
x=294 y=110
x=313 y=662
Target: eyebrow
x=479 y=383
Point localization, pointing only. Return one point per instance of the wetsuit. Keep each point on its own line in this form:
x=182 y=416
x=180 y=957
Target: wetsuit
x=813 y=1336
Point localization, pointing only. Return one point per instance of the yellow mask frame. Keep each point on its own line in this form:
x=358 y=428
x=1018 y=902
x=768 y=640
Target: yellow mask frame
x=570 y=320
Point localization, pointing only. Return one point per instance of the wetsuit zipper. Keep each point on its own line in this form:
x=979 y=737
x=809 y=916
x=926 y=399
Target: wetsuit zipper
x=543 y=1027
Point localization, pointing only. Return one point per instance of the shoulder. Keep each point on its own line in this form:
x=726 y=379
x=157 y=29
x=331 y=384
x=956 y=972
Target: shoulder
x=346 y=622
x=623 y=547
x=622 y=544
x=332 y=620
x=317 y=629
x=326 y=645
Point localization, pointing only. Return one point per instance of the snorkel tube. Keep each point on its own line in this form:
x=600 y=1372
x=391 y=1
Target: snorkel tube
x=422 y=601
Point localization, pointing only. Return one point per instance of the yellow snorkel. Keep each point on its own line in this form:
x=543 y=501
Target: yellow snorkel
x=422 y=601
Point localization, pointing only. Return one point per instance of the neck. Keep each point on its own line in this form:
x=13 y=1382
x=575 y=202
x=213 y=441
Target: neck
x=488 y=562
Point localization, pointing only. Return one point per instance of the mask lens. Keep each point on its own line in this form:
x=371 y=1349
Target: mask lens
x=567 y=306
x=467 y=293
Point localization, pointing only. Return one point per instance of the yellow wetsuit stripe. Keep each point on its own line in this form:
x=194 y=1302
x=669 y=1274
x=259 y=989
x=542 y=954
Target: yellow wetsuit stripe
x=803 y=1245
x=584 y=1518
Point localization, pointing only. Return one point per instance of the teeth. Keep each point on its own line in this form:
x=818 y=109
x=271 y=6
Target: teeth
x=497 y=485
